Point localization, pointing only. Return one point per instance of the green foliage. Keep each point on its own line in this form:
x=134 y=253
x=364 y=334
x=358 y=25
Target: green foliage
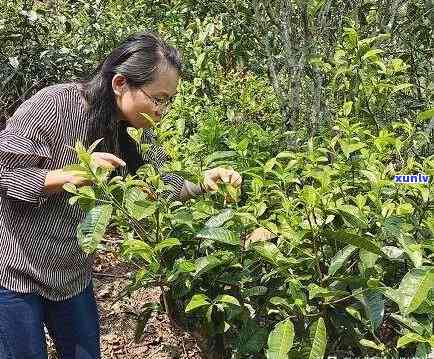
x=319 y=339
x=349 y=267
x=91 y=231
x=280 y=340
x=352 y=251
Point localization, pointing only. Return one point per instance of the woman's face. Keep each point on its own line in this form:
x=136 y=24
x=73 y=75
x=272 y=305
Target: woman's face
x=149 y=99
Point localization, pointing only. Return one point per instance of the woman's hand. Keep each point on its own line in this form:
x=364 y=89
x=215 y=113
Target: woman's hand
x=218 y=175
x=55 y=180
x=260 y=234
x=107 y=160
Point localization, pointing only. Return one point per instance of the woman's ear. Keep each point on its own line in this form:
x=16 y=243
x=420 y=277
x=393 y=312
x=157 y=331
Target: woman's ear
x=119 y=83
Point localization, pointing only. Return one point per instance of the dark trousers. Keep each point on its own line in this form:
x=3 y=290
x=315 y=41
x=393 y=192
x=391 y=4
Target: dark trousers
x=73 y=324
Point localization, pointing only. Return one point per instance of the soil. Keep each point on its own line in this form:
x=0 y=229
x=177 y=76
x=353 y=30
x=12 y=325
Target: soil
x=118 y=315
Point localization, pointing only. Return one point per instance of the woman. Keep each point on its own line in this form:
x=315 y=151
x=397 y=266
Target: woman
x=45 y=278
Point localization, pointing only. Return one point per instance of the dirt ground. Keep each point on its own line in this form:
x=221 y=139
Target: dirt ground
x=118 y=323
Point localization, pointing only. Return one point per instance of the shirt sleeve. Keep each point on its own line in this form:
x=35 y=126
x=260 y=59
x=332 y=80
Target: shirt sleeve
x=24 y=144
x=190 y=190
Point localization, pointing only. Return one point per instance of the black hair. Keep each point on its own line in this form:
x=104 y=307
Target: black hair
x=139 y=58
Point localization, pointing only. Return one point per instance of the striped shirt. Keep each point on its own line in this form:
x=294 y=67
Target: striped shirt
x=39 y=250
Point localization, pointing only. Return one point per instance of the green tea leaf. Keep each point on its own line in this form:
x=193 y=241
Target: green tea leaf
x=353 y=215
x=91 y=230
x=73 y=200
x=317 y=291
x=309 y=195
x=138 y=205
x=404 y=209
x=372 y=54
x=197 y=301
x=426 y=115
x=414 y=289
x=135 y=248
x=87 y=191
x=268 y=167
x=347 y=107
x=246 y=218
x=183 y=217
x=220 y=219
x=410 y=323
x=373 y=303
x=318 y=337
x=252 y=338
x=167 y=243
x=353 y=312
x=219 y=156
x=410 y=338
x=401 y=87
x=412 y=249
x=355 y=240
x=228 y=299
x=205 y=264
x=370 y=344
x=280 y=340
x=186 y=266
x=392 y=226
x=222 y=235
x=367 y=259
x=76 y=169
x=340 y=258
x=136 y=134
x=349 y=148
x=268 y=251
x=279 y=301
x=93 y=145
x=254 y=291
x=284 y=155
x=69 y=187
x=82 y=153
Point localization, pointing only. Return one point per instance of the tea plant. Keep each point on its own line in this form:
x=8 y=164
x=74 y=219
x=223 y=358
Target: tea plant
x=346 y=266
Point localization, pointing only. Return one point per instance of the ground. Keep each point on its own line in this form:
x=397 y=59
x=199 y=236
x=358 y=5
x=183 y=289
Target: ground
x=118 y=324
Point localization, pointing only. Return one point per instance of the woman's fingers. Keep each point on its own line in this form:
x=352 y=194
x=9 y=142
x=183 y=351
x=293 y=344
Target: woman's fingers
x=210 y=184
x=81 y=181
x=75 y=178
x=217 y=175
x=108 y=160
x=102 y=163
x=225 y=175
x=236 y=179
x=209 y=180
x=112 y=159
x=231 y=176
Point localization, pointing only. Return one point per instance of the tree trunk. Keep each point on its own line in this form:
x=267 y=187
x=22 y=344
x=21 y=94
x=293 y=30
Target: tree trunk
x=316 y=103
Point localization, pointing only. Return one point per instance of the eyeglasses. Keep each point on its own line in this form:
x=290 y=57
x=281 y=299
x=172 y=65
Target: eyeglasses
x=159 y=102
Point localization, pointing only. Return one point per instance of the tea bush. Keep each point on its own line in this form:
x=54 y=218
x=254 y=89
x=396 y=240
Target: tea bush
x=348 y=267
